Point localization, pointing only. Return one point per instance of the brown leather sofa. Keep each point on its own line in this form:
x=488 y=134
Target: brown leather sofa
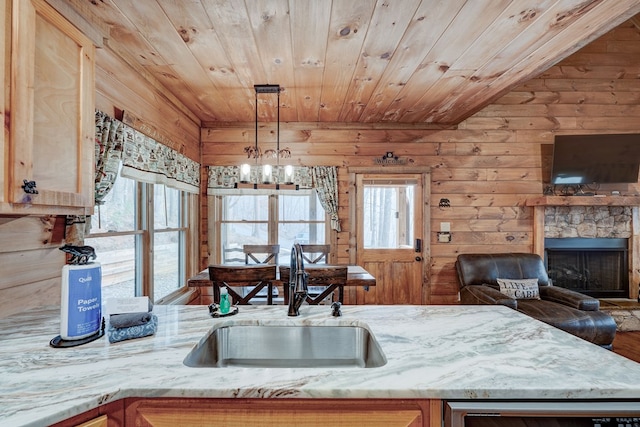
x=570 y=311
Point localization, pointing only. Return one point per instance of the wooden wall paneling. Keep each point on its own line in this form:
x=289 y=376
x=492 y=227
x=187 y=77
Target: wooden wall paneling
x=28 y=296
x=634 y=255
x=487 y=165
x=30 y=261
x=5 y=68
x=43 y=264
x=538 y=230
x=19 y=233
x=455 y=248
x=118 y=87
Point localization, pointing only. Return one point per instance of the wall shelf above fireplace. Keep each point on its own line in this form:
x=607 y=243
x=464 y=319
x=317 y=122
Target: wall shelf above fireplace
x=584 y=201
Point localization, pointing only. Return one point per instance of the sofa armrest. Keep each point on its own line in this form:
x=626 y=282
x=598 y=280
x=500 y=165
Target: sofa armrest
x=482 y=294
x=569 y=298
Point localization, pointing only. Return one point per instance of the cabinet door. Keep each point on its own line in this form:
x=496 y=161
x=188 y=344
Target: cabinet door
x=281 y=412
x=52 y=101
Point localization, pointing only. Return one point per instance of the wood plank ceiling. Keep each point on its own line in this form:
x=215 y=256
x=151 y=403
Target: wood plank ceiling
x=408 y=61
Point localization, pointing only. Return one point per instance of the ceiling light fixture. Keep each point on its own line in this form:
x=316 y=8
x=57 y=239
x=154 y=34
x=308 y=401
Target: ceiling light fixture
x=264 y=176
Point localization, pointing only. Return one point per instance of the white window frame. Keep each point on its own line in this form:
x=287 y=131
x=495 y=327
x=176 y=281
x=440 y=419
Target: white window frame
x=216 y=206
x=144 y=233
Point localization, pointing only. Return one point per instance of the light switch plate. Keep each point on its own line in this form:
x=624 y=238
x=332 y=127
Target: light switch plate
x=445 y=227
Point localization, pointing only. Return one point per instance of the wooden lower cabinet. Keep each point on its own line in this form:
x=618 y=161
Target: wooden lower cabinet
x=282 y=412
x=109 y=415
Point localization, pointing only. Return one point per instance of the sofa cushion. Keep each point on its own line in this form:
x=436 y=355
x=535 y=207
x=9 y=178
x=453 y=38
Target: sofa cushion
x=519 y=288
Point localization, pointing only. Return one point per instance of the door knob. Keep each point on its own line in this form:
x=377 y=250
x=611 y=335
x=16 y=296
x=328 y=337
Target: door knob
x=418 y=258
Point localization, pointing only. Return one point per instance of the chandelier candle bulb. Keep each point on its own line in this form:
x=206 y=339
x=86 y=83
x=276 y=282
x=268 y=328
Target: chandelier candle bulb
x=266 y=174
x=288 y=174
x=245 y=173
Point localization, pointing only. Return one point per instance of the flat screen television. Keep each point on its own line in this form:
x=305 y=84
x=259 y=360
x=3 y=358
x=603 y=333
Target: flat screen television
x=595 y=159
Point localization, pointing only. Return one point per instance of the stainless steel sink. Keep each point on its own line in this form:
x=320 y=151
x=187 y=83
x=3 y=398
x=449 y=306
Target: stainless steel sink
x=287 y=347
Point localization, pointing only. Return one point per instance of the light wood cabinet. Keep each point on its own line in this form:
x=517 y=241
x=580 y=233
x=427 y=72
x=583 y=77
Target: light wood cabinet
x=51 y=132
x=109 y=415
x=101 y=421
x=282 y=412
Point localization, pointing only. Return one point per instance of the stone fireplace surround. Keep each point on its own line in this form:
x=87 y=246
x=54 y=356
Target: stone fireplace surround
x=589 y=227
x=606 y=217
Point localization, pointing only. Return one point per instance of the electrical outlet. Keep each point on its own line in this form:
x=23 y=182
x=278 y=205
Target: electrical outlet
x=444 y=237
x=445 y=227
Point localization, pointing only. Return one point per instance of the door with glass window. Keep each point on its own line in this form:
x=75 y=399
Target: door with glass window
x=391 y=222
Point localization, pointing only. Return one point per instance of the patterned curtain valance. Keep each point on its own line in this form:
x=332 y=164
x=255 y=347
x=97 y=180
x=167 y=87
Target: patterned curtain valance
x=225 y=177
x=108 y=154
x=324 y=179
x=147 y=160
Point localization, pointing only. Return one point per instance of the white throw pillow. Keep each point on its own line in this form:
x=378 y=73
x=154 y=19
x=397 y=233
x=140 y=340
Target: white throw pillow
x=519 y=288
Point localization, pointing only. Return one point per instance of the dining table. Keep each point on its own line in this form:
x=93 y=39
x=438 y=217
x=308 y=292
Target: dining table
x=356 y=276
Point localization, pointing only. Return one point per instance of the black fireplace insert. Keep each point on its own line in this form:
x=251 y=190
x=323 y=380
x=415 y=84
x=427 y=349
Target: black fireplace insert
x=597 y=267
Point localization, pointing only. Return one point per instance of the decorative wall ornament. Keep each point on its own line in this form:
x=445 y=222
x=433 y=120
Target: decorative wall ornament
x=390 y=159
x=80 y=255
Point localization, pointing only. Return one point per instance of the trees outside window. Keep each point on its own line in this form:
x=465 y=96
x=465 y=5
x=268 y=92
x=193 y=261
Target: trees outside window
x=260 y=219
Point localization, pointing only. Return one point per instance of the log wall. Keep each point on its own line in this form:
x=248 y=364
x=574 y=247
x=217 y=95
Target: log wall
x=486 y=167
x=30 y=262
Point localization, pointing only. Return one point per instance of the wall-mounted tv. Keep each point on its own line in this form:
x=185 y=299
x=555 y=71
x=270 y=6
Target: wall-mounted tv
x=595 y=159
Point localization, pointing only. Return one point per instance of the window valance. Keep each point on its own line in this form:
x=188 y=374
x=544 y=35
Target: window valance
x=147 y=160
x=143 y=159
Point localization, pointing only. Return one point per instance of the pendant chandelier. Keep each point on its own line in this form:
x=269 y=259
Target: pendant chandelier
x=267 y=176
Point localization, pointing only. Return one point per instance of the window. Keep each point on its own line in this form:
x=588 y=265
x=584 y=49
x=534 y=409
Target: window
x=388 y=214
x=135 y=218
x=258 y=219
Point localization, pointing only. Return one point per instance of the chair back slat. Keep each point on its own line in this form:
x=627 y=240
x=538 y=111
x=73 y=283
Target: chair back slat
x=261 y=254
x=235 y=278
x=314 y=254
x=322 y=279
x=242 y=274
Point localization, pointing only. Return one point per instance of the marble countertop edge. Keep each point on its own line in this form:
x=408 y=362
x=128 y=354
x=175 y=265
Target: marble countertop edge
x=433 y=352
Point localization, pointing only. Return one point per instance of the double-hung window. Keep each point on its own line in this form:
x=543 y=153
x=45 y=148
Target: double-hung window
x=256 y=218
x=140 y=236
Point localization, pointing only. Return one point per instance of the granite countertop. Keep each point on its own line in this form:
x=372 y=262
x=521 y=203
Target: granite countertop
x=444 y=352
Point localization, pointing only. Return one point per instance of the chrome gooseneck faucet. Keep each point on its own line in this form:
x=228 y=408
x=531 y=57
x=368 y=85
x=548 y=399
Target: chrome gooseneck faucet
x=298 y=281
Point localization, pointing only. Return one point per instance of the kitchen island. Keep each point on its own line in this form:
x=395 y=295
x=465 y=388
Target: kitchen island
x=432 y=352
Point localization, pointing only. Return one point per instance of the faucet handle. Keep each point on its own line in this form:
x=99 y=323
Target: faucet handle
x=335 y=309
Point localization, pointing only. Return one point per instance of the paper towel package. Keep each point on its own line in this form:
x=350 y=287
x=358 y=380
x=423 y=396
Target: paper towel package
x=81 y=304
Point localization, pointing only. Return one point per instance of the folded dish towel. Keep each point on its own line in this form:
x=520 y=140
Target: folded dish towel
x=125 y=320
x=131 y=332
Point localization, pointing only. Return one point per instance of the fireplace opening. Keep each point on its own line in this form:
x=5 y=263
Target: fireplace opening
x=597 y=267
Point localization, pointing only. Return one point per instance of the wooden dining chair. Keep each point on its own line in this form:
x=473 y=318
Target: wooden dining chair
x=233 y=255
x=238 y=278
x=315 y=254
x=329 y=277
x=261 y=254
